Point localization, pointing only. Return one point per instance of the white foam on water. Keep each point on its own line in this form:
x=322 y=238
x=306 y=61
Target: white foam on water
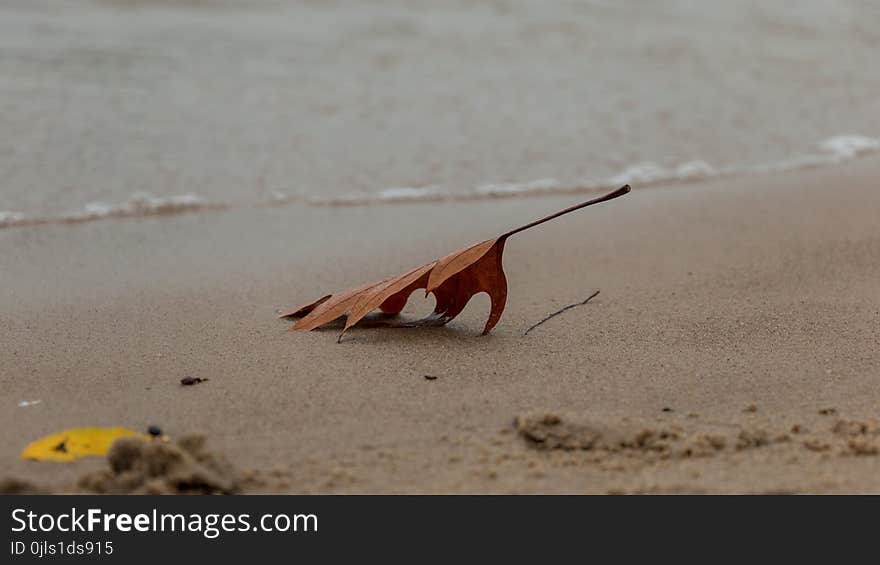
x=138 y=205
x=514 y=188
x=407 y=193
x=385 y=196
x=9 y=219
x=832 y=151
x=278 y=197
x=847 y=147
x=652 y=173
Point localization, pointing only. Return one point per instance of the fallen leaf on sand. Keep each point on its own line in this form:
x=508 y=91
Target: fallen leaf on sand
x=453 y=280
x=72 y=444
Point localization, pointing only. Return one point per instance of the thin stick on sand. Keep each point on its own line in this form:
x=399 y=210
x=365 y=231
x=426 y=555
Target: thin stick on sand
x=558 y=312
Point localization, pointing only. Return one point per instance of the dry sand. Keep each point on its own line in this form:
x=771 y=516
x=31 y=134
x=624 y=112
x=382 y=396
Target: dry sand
x=735 y=345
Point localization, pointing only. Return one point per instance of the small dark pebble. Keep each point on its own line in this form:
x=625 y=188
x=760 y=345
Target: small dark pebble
x=154 y=431
x=667 y=409
x=189 y=381
x=430 y=377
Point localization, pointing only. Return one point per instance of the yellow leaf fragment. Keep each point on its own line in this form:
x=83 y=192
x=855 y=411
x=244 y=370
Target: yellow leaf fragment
x=74 y=443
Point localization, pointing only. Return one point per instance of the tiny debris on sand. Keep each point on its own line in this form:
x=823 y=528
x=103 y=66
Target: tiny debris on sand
x=27 y=403
x=189 y=381
x=140 y=466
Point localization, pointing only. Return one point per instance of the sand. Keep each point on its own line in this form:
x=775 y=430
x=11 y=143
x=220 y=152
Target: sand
x=734 y=347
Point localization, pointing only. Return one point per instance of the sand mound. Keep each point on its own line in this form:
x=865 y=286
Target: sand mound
x=19 y=486
x=140 y=466
x=554 y=431
x=647 y=441
x=655 y=441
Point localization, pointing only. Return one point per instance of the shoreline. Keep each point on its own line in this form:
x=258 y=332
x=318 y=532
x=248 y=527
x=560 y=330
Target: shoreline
x=836 y=151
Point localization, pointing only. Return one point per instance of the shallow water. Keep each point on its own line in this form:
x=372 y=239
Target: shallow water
x=205 y=103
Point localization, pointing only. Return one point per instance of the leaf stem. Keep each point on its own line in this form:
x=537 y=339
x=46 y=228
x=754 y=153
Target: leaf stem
x=610 y=196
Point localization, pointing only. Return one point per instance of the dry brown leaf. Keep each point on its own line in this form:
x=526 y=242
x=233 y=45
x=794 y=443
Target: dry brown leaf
x=453 y=280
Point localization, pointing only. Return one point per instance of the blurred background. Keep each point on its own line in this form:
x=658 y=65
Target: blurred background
x=127 y=105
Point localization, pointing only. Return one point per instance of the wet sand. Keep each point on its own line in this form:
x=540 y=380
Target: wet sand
x=734 y=347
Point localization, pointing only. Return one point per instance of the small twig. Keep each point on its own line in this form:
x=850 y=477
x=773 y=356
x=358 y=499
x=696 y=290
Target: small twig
x=558 y=312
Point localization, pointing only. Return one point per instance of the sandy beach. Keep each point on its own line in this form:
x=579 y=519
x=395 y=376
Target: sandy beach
x=734 y=347
x=175 y=174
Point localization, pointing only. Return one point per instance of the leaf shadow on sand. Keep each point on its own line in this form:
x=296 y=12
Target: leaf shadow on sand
x=417 y=327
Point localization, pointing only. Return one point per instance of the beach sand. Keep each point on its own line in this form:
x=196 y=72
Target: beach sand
x=734 y=347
